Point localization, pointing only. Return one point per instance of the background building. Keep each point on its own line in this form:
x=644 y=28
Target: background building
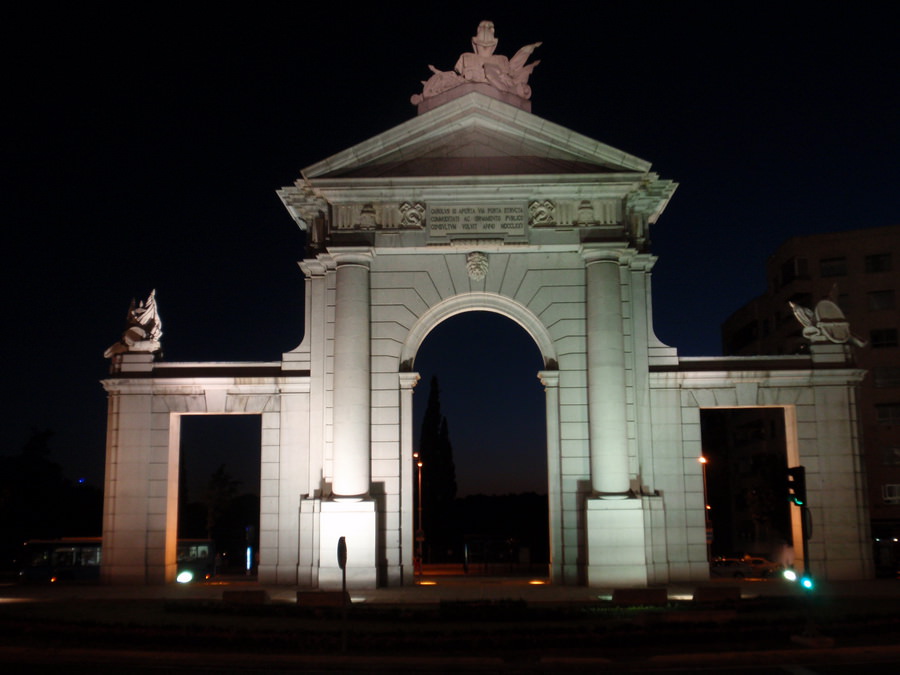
x=861 y=268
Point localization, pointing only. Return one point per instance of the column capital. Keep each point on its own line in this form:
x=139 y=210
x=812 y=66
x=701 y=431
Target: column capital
x=642 y=262
x=549 y=378
x=594 y=254
x=313 y=267
x=409 y=380
x=360 y=256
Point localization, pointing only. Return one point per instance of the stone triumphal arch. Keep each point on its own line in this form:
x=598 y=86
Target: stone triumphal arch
x=474 y=204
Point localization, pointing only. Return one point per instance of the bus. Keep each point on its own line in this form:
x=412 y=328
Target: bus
x=78 y=559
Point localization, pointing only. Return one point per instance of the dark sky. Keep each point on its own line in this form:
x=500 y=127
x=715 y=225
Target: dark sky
x=143 y=147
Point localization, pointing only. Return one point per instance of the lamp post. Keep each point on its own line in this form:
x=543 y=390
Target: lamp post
x=420 y=531
x=703 y=462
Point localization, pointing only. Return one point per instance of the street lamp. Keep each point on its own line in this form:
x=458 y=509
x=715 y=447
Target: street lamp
x=420 y=531
x=703 y=462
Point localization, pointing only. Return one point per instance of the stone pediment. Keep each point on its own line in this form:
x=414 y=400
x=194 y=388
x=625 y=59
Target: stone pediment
x=475 y=166
x=475 y=135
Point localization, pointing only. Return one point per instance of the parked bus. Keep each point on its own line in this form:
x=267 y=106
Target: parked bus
x=79 y=560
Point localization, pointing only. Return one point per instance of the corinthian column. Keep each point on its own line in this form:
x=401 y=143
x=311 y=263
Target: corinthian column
x=352 y=381
x=606 y=375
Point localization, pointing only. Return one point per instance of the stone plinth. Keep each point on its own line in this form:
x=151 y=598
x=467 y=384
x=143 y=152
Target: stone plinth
x=616 y=554
x=356 y=521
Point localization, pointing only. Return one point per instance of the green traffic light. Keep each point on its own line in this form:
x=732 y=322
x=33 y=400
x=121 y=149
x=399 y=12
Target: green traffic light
x=796 y=485
x=807 y=583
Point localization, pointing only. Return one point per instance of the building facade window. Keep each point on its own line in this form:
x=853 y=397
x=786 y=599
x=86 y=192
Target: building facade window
x=886 y=376
x=891 y=493
x=892 y=455
x=888 y=413
x=883 y=337
x=795 y=268
x=878 y=262
x=833 y=267
x=881 y=300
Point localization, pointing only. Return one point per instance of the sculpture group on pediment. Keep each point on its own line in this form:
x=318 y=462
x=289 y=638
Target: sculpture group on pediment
x=143 y=329
x=482 y=65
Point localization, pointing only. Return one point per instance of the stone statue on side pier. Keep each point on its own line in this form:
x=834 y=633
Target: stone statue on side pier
x=481 y=65
x=143 y=329
x=826 y=323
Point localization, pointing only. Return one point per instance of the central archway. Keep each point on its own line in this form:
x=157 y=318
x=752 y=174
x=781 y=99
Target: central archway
x=480 y=406
x=534 y=328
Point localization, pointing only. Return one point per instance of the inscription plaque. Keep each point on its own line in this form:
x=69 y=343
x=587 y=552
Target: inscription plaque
x=477 y=219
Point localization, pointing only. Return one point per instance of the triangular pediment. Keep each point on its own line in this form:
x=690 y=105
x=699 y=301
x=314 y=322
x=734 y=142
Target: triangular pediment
x=475 y=135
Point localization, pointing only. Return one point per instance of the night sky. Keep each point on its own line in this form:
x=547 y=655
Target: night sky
x=143 y=147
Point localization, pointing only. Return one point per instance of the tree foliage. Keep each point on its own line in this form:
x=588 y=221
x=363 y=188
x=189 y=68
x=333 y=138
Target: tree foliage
x=438 y=478
x=38 y=502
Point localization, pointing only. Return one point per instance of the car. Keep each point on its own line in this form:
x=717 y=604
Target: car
x=730 y=568
x=761 y=567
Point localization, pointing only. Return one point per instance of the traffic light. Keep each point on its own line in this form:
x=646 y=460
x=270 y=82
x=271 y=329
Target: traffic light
x=797 y=485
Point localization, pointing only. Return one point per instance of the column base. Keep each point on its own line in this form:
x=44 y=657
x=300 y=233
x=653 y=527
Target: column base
x=616 y=550
x=356 y=522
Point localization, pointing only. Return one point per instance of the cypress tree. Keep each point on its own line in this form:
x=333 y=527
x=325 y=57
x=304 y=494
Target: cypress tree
x=438 y=480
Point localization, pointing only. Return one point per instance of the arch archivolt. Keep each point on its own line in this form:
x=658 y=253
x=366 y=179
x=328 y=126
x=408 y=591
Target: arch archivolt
x=471 y=302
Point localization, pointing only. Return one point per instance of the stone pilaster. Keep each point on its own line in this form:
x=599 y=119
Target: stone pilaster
x=407 y=476
x=550 y=380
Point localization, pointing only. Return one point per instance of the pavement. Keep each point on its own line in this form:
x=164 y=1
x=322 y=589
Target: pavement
x=432 y=589
x=437 y=588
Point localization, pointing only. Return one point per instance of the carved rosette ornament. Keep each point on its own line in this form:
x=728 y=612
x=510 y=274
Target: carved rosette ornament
x=412 y=216
x=477 y=265
x=542 y=213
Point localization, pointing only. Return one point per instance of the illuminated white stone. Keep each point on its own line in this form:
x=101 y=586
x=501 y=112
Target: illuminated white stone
x=396 y=251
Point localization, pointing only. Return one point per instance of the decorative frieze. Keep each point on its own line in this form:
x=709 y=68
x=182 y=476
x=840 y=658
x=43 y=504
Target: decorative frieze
x=575 y=213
